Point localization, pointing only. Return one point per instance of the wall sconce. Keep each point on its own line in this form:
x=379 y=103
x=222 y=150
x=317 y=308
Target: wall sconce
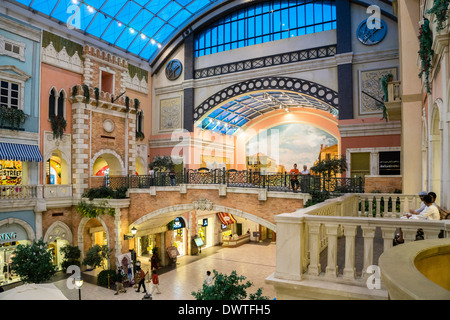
x=133 y=233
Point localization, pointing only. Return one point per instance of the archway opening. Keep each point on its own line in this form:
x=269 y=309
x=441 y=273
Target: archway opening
x=94 y=233
x=107 y=165
x=56 y=169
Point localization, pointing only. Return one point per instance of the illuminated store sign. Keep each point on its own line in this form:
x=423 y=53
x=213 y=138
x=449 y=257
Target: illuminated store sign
x=8 y=236
x=10 y=172
x=178 y=223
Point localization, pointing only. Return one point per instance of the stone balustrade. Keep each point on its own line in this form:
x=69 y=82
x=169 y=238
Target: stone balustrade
x=325 y=251
x=18 y=192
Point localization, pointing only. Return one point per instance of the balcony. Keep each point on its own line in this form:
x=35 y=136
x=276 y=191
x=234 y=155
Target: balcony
x=35 y=197
x=394 y=101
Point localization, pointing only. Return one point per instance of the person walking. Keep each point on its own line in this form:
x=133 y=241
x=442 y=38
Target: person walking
x=119 y=281
x=209 y=279
x=142 y=275
x=155 y=282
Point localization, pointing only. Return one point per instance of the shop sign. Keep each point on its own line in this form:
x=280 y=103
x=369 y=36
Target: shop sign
x=10 y=172
x=12 y=232
x=8 y=236
x=178 y=223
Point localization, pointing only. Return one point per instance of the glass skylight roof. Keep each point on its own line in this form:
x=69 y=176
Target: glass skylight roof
x=141 y=27
x=231 y=116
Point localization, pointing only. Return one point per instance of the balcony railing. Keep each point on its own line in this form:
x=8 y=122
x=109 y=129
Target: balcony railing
x=329 y=236
x=19 y=192
x=242 y=179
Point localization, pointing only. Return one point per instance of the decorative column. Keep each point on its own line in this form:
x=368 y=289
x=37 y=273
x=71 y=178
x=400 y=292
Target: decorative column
x=80 y=147
x=344 y=59
x=349 y=269
x=117 y=231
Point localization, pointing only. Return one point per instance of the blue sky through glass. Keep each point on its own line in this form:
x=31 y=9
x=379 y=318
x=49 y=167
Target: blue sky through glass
x=138 y=26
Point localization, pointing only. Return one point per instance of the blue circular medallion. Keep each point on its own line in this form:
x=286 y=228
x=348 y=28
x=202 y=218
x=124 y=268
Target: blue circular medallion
x=174 y=69
x=371 y=32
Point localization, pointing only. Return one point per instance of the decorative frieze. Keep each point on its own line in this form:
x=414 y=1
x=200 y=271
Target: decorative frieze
x=62 y=59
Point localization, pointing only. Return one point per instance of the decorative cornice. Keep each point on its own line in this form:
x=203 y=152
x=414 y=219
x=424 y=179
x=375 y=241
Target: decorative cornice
x=20 y=29
x=370 y=129
x=62 y=59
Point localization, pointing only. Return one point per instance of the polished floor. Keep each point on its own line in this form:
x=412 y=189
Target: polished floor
x=256 y=261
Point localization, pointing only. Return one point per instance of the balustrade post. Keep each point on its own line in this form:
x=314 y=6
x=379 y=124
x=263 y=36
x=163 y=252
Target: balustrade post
x=332 y=234
x=291 y=251
x=431 y=233
x=363 y=206
x=378 y=206
x=370 y=213
x=387 y=234
x=368 y=235
x=409 y=234
x=314 y=248
x=349 y=269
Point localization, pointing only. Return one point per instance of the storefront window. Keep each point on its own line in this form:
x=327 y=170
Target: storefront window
x=10 y=237
x=11 y=172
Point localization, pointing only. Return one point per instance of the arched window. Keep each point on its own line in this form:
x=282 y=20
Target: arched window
x=264 y=22
x=61 y=103
x=56 y=103
x=52 y=103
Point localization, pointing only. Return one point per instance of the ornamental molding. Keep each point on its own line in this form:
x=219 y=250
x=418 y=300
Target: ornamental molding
x=203 y=204
x=309 y=88
x=134 y=83
x=62 y=59
x=58 y=230
x=21 y=45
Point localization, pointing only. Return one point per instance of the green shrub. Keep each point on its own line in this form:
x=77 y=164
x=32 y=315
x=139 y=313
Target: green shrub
x=72 y=255
x=102 y=278
x=106 y=193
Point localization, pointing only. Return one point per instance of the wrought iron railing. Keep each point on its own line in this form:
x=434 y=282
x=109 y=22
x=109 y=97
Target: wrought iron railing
x=241 y=179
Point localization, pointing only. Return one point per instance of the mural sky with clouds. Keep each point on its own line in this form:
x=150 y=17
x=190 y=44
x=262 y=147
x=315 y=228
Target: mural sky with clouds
x=291 y=143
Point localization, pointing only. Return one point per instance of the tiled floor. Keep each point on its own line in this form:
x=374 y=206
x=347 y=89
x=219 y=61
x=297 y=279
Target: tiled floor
x=256 y=261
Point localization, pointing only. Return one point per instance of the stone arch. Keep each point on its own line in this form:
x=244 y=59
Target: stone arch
x=301 y=86
x=80 y=234
x=65 y=163
x=212 y=207
x=58 y=229
x=29 y=230
x=113 y=159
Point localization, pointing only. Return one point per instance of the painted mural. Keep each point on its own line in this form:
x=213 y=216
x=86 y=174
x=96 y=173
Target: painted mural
x=278 y=148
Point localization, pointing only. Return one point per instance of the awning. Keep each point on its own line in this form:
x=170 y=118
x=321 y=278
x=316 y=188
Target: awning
x=20 y=152
x=226 y=218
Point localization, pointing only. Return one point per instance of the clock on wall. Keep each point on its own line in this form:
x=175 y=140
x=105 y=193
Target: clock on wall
x=369 y=36
x=174 y=69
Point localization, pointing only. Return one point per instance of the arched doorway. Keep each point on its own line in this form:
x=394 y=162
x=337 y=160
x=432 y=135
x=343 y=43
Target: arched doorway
x=56 y=169
x=58 y=236
x=107 y=162
x=436 y=154
x=91 y=232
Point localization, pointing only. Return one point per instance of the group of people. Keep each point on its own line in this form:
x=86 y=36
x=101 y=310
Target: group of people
x=294 y=173
x=140 y=275
x=172 y=176
x=428 y=210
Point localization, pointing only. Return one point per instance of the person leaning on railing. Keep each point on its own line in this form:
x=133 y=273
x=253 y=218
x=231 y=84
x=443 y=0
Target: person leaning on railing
x=294 y=178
